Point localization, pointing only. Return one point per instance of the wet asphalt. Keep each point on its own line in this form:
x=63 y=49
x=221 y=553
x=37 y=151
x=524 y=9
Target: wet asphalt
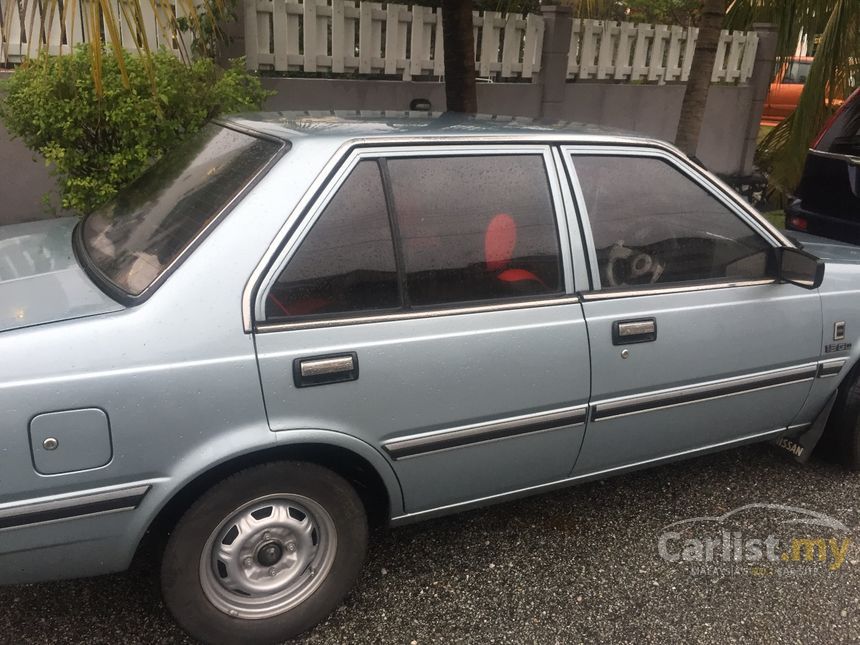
x=578 y=565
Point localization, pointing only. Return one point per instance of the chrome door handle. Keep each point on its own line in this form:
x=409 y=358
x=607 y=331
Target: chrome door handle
x=640 y=330
x=322 y=370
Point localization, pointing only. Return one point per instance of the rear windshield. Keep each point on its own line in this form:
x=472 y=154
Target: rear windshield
x=134 y=238
x=843 y=135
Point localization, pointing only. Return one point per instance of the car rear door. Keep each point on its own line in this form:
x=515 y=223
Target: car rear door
x=426 y=305
x=694 y=345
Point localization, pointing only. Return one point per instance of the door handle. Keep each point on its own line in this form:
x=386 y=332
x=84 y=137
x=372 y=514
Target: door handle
x=640 y=330
x=322 y=370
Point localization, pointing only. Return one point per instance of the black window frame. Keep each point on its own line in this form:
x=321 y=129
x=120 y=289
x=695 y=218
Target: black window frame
x=328 y=188
x=569 y=152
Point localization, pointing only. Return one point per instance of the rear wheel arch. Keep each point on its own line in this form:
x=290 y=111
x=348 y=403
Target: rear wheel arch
x=380 y=494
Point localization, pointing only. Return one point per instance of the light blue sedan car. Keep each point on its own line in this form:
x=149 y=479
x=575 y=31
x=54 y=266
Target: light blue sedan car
x=297 y=325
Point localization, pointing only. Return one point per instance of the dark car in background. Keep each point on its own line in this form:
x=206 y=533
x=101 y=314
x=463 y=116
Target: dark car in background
x=827 y=201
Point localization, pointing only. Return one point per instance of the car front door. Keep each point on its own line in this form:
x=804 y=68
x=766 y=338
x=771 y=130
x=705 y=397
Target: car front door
x=426 y=306
x=694 y=345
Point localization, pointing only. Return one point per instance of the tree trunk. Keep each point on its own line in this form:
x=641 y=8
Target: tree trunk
x=696 y=95
x=459 y=39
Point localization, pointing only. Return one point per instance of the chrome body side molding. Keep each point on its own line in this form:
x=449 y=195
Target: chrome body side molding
x=831 y=368
x=17 y=514
x=438 y=440
x=568 y=481
x=424 y=443
x=692 y=394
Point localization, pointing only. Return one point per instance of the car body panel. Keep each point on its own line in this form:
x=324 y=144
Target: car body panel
x=828 y=249
x=186 y=384
x=725 y=320
x=40 y=278
x=486 y=377
x=178 y=401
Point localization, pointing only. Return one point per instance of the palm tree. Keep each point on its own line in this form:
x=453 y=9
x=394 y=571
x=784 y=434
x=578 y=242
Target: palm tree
x=460 y=91
x=696 y=94
x=835 y=67
x=54 y=24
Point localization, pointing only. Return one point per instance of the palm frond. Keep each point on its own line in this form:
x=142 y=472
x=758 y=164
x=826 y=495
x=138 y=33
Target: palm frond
x=115 y=25
x=783 y=150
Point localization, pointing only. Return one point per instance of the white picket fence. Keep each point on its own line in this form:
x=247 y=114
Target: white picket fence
x=346 y=37
x=372 y=38
x=62 y=25
x=662 y=53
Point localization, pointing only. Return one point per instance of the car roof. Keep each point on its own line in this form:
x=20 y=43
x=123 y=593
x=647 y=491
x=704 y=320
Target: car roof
x=365 y=126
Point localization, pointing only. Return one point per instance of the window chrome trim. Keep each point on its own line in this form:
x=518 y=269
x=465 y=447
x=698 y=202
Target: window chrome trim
x=650 y=291
x=551 y=138
x=586 y=236
x=252 y=286
x=581 y=260
x=310 y=207
x=458 y=437
x=562 y=232
x=688 y=394
x=415 y=315
x=406 y=518
x=303 y=219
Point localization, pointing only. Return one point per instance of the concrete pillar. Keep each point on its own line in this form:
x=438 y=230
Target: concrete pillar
x=763 y=70
x=558 y=23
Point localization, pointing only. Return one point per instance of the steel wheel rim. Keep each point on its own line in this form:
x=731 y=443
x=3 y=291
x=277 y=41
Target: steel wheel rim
x=268 y=556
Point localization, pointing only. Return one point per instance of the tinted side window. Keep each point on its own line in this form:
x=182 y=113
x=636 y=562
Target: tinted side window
x=346 y=261
x=652 y=224
x=475 y=227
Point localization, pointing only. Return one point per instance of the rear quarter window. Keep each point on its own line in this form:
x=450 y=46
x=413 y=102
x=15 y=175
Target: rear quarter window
x=136 y=237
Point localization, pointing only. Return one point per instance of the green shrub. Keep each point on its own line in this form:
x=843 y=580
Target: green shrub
x=97 y=144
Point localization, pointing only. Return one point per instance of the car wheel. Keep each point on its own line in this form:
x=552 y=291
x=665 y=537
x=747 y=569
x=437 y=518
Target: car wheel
x=265 y=554
x=843 y=428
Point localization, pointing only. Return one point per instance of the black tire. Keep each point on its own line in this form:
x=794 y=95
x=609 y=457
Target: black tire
x=842 y=437
x=181 y=577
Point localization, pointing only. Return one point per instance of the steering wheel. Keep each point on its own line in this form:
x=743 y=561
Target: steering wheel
x=627 y=266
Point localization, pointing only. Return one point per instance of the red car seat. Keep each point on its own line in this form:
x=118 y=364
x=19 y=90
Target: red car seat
x=499 y=243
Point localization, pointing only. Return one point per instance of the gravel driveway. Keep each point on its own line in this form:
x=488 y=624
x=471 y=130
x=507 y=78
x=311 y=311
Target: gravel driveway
x=579 y=565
